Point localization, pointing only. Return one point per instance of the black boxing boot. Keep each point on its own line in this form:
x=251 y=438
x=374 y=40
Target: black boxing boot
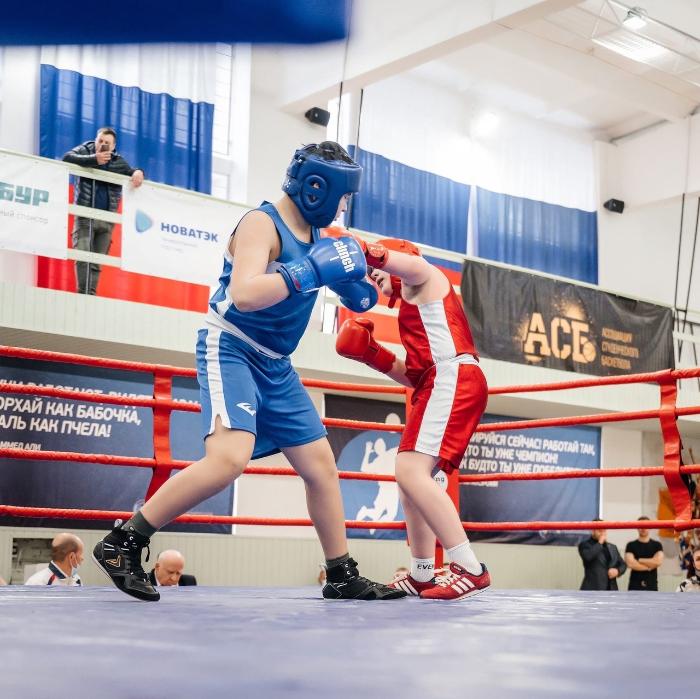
x=119 y=556
x=343 y=581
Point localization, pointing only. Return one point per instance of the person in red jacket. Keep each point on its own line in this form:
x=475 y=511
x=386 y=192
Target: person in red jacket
x=450 y=396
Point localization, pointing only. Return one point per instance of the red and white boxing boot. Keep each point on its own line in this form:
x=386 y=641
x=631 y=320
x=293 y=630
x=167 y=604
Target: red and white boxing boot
x=412 y=586
x=458 y=584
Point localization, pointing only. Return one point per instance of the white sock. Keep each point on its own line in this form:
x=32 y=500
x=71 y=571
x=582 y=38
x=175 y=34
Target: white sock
x=463 y=555
x=422 y=569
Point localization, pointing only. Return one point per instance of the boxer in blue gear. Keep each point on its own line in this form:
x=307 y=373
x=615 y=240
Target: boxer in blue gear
x=253 y=402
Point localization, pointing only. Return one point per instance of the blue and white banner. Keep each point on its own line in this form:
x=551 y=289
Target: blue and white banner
x=33 y=205
x=166 y=234
x=158 y=98
x=543 y=450
x=53 y=424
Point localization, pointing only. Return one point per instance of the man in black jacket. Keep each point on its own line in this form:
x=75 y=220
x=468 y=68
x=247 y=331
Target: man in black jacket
x=168 y=570
x=602 y=562
x=89 y=234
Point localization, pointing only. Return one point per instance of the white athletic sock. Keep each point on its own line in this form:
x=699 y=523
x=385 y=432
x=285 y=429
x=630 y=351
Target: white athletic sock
x=463 y=555
x=422 y=569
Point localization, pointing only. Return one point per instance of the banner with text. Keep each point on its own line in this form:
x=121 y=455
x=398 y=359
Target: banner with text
x=544 y=450
x=525 y=318
x=166 y=233
x=33 y=205
x=369 y=451
x=55 y=424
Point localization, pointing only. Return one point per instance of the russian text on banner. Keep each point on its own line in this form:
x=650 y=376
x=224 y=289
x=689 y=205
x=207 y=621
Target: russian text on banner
x=529 y=319
x=33 y=205
x=176 y=235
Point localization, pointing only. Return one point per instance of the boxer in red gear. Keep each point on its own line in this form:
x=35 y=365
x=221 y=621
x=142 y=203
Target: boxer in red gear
x=449 y=398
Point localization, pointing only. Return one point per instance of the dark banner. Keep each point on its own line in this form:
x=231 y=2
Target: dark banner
x=370 y=451
x=543 y=450
x=52 y=424
x=524 y=318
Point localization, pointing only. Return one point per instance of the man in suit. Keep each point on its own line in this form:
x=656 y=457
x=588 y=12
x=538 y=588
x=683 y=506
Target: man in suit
x=602 y=562
x=168 y=570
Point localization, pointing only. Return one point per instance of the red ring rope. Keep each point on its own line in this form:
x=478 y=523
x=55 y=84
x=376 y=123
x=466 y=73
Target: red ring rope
x=162 y=464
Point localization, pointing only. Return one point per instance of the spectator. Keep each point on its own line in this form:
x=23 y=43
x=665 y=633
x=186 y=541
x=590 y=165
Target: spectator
x=686 y=557
x=322 y=576
x=66 y=558
x=602 y=563
x=3 y=582
x=89 y=234
x=168 y=570
x=692 y=584
x=644 y=555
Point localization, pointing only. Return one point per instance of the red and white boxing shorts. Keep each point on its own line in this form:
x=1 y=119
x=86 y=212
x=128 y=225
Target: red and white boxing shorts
x=445 y=410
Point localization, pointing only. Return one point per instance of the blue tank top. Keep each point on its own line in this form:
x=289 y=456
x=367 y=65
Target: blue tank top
x=280 y=327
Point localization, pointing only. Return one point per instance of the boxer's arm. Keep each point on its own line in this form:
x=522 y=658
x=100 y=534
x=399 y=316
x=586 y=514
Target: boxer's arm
x=398 y=373
x=253 y=246
x=412 y=269
x=356 y=341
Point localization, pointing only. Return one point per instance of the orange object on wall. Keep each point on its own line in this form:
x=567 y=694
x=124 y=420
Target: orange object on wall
x=665 y=510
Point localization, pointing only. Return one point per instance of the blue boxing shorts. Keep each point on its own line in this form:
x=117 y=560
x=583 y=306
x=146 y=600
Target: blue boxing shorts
x=253 y=392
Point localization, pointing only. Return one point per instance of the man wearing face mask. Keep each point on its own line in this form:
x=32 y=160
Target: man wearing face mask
x=90 y=234
x=66 y=558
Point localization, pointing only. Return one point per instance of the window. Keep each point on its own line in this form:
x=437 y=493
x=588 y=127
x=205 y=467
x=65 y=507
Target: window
x=222 y=102
x=219 y=185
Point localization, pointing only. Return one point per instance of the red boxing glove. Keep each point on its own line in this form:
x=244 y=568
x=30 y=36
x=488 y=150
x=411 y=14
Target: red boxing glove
x=376 y=254
x=355 y=341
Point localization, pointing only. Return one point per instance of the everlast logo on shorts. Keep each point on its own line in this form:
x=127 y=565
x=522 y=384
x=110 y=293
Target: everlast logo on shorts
x=344 y=255
x=562 y=337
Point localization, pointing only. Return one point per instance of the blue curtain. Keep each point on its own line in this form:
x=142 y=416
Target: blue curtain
x=402 y=202
x=169 y=138
x=533 y=234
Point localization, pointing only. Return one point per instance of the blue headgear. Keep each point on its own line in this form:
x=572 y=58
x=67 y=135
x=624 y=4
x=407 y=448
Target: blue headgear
x=316 y=185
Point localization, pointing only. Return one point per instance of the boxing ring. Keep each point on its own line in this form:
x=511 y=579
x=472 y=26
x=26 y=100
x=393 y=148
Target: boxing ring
x=269 y=642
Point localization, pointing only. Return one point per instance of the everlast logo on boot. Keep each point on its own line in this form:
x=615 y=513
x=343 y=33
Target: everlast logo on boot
x=563 y=338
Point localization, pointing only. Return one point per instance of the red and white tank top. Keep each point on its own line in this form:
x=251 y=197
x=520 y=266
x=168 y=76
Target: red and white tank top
x=434 y=332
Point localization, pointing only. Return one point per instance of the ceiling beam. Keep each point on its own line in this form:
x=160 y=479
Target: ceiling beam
x=394 y=36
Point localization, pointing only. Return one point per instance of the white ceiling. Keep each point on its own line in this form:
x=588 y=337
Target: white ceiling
x=550 y=69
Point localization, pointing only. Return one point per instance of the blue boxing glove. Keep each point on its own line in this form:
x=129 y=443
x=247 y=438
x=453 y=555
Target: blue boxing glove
x=357 y=296
x=330 y=260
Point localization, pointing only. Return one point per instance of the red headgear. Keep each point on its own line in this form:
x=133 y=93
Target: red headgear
x=406 y=247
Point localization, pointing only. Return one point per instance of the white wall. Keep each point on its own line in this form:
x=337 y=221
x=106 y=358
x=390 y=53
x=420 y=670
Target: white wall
x=621 y=497
x=274 y=136
x=659 y=162
x=19 y=130
x=638 y=250
x=19 y=99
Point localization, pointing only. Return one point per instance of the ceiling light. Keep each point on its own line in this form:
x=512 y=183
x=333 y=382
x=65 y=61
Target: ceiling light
x=633 y=46
x=635 y=19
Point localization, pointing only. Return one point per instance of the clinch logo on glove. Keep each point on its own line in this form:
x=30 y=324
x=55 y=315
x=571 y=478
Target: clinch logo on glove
x=344 y=255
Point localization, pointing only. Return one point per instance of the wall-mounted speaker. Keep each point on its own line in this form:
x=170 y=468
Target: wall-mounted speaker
x=615 y=205
x=319 y=116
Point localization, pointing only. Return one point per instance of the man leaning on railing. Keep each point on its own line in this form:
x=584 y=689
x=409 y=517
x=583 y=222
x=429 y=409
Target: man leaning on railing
x=90 y=234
